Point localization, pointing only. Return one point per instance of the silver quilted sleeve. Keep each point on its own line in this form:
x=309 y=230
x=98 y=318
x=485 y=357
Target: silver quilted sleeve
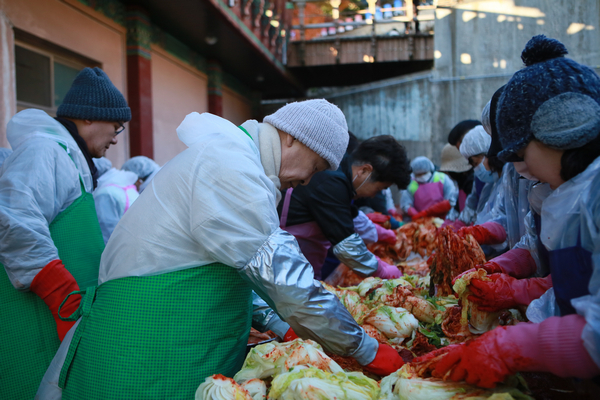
x=353 y=252
x=265 y=319
x=280 y=274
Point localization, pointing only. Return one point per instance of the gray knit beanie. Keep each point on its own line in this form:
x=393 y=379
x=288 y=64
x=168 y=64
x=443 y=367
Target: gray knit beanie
x=318 y=124
x=553 y=99
x=93 y=96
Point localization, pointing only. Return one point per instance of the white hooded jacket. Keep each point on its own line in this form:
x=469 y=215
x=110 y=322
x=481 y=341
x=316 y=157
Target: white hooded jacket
x=114 y=195
x=37 y=183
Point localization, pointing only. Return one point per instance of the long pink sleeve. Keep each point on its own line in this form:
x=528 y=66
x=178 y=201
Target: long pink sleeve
x=517 y=263
x=497 y=234
x=527 y=290
x=555 y=346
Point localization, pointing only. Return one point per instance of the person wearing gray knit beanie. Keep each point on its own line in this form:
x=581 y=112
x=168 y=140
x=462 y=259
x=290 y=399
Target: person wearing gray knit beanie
x=318 y=124
x=206 y=230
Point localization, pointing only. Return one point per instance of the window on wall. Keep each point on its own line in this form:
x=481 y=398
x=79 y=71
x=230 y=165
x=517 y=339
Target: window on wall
x=44 y=73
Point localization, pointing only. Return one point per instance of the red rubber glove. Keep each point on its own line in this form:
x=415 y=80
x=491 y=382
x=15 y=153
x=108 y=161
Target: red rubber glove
x=386 y=271
x=385 y=235
x=52 y=284
x=386 y=362
x=437 y=210
x=554 y=346
x=378 y=218
x=487 y=233
x=507 y=292
x=290 y=335
x=412 y=212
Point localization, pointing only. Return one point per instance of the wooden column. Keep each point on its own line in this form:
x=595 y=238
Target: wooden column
x=215 y=93
x=139 y=82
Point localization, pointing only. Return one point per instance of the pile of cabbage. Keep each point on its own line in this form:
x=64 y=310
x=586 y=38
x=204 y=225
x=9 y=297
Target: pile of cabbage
x=397 y=311
x=293 y=370
x=300 y=370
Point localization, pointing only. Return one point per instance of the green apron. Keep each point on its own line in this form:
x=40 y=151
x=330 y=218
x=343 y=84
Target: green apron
x=158 y=337
x=27 y=328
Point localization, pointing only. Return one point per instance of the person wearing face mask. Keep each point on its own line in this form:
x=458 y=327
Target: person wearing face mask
x=430 y=193
x=516 y=209
x=174 y=300
x=549 y=118
x=512 y=209
x=320 y=214
x=51 y=240
x=474 y=148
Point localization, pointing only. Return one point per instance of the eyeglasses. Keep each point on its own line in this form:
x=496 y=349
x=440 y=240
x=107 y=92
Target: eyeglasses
x=120 y=129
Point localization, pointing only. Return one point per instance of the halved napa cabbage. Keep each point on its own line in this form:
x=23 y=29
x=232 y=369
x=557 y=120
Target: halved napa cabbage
x=480 y=321
x=219 y=387
x=311 y=383
x=393 y=322
x=256 y=388
x=274 y=358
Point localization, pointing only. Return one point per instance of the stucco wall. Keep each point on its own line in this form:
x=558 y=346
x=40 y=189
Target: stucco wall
x=177 y=90
x=74 y=27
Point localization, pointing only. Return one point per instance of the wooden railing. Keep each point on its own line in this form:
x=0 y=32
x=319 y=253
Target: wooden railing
x=337 y=49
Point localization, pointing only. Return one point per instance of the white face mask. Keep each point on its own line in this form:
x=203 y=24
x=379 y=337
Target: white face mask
x=484 y=175
x=537 y=194
x=363 y=182
x=423 y=178
x=523 y=170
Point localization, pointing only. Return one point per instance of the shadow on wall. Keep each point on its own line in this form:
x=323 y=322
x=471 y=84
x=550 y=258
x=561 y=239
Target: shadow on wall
x=478 y=45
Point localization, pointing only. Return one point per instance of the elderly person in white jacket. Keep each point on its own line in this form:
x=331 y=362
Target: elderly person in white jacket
x=174 y=301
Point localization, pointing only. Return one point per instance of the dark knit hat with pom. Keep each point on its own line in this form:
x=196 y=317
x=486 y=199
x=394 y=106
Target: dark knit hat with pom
x=93 y=96
x=553 y=99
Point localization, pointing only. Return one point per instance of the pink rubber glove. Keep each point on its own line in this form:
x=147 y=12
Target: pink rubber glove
x=385 y=235
x=554 y=346
x=488 y=233
x=517 y=263
x=386 y=362
x=507 y=292
x=386 y=271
